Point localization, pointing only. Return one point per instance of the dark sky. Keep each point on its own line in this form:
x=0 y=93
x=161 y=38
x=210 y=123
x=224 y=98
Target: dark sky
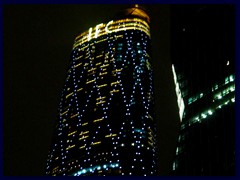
x=37 y=44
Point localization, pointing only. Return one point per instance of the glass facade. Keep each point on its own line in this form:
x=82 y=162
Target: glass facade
x=204 y=73
x=105 y=123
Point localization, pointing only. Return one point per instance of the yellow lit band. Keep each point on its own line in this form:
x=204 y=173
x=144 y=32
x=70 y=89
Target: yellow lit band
x=151 y=139
x=99 y=55
x=92 y=69
x=101 y=98
x=79 y=89
x=111 y=135
x=90 y=81
x=84 y=124
x=116 y=70
x=95 y=143
x=151 y=144
x=82 y=147
x=101 y=102
x=74 y=115
x=98 y=120
x=84 y=137
x=85 y=132
x=113 y=83
x=70 y=147
x=105 y=65
x=79 y=57
x=72 y=133
x=113 y=91
x=77 y=65
x=150 y=130
x=112 y=26
x=64 y=113
x=69 y=95
x=98 y=63
x=103 y=85
x=100 y=74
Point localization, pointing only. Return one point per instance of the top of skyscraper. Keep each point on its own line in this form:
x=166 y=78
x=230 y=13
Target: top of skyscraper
x=134 y=11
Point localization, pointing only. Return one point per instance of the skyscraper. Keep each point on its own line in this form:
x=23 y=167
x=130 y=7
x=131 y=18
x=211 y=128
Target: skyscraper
x=203 y=57
x=105 y=124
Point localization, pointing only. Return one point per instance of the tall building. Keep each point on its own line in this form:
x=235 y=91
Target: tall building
x=203 y=57
x=105 y=123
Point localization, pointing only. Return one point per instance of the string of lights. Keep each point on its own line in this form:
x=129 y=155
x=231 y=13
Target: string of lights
x=106 y=123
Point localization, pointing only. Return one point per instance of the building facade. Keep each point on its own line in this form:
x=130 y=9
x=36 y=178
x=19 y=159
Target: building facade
x=105 y=123
x=203 y=57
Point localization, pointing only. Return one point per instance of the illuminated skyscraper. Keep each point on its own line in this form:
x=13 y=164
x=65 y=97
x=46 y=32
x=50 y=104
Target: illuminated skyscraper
x=105 y=123
x=203 y=68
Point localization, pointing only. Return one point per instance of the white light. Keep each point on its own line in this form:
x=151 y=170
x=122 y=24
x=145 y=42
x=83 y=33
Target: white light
x=204 y=116
x=210 y=112
x=97 y=30
x=180 y=101
x=90 y=33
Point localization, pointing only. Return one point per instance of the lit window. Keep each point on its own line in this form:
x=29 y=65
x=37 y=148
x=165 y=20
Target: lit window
x=226 y=80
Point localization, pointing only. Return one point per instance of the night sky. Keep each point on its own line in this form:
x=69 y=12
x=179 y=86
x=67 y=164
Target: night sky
x=37 y=44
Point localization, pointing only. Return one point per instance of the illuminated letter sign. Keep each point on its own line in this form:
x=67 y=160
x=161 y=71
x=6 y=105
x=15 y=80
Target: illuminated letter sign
x=97 y=30
x=90 y=33
x=106 y=28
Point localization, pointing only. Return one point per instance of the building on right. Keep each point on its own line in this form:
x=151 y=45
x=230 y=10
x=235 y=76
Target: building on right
x=203 y=66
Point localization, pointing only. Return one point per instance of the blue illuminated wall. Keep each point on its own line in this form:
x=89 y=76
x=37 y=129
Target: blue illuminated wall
x=105 y=123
